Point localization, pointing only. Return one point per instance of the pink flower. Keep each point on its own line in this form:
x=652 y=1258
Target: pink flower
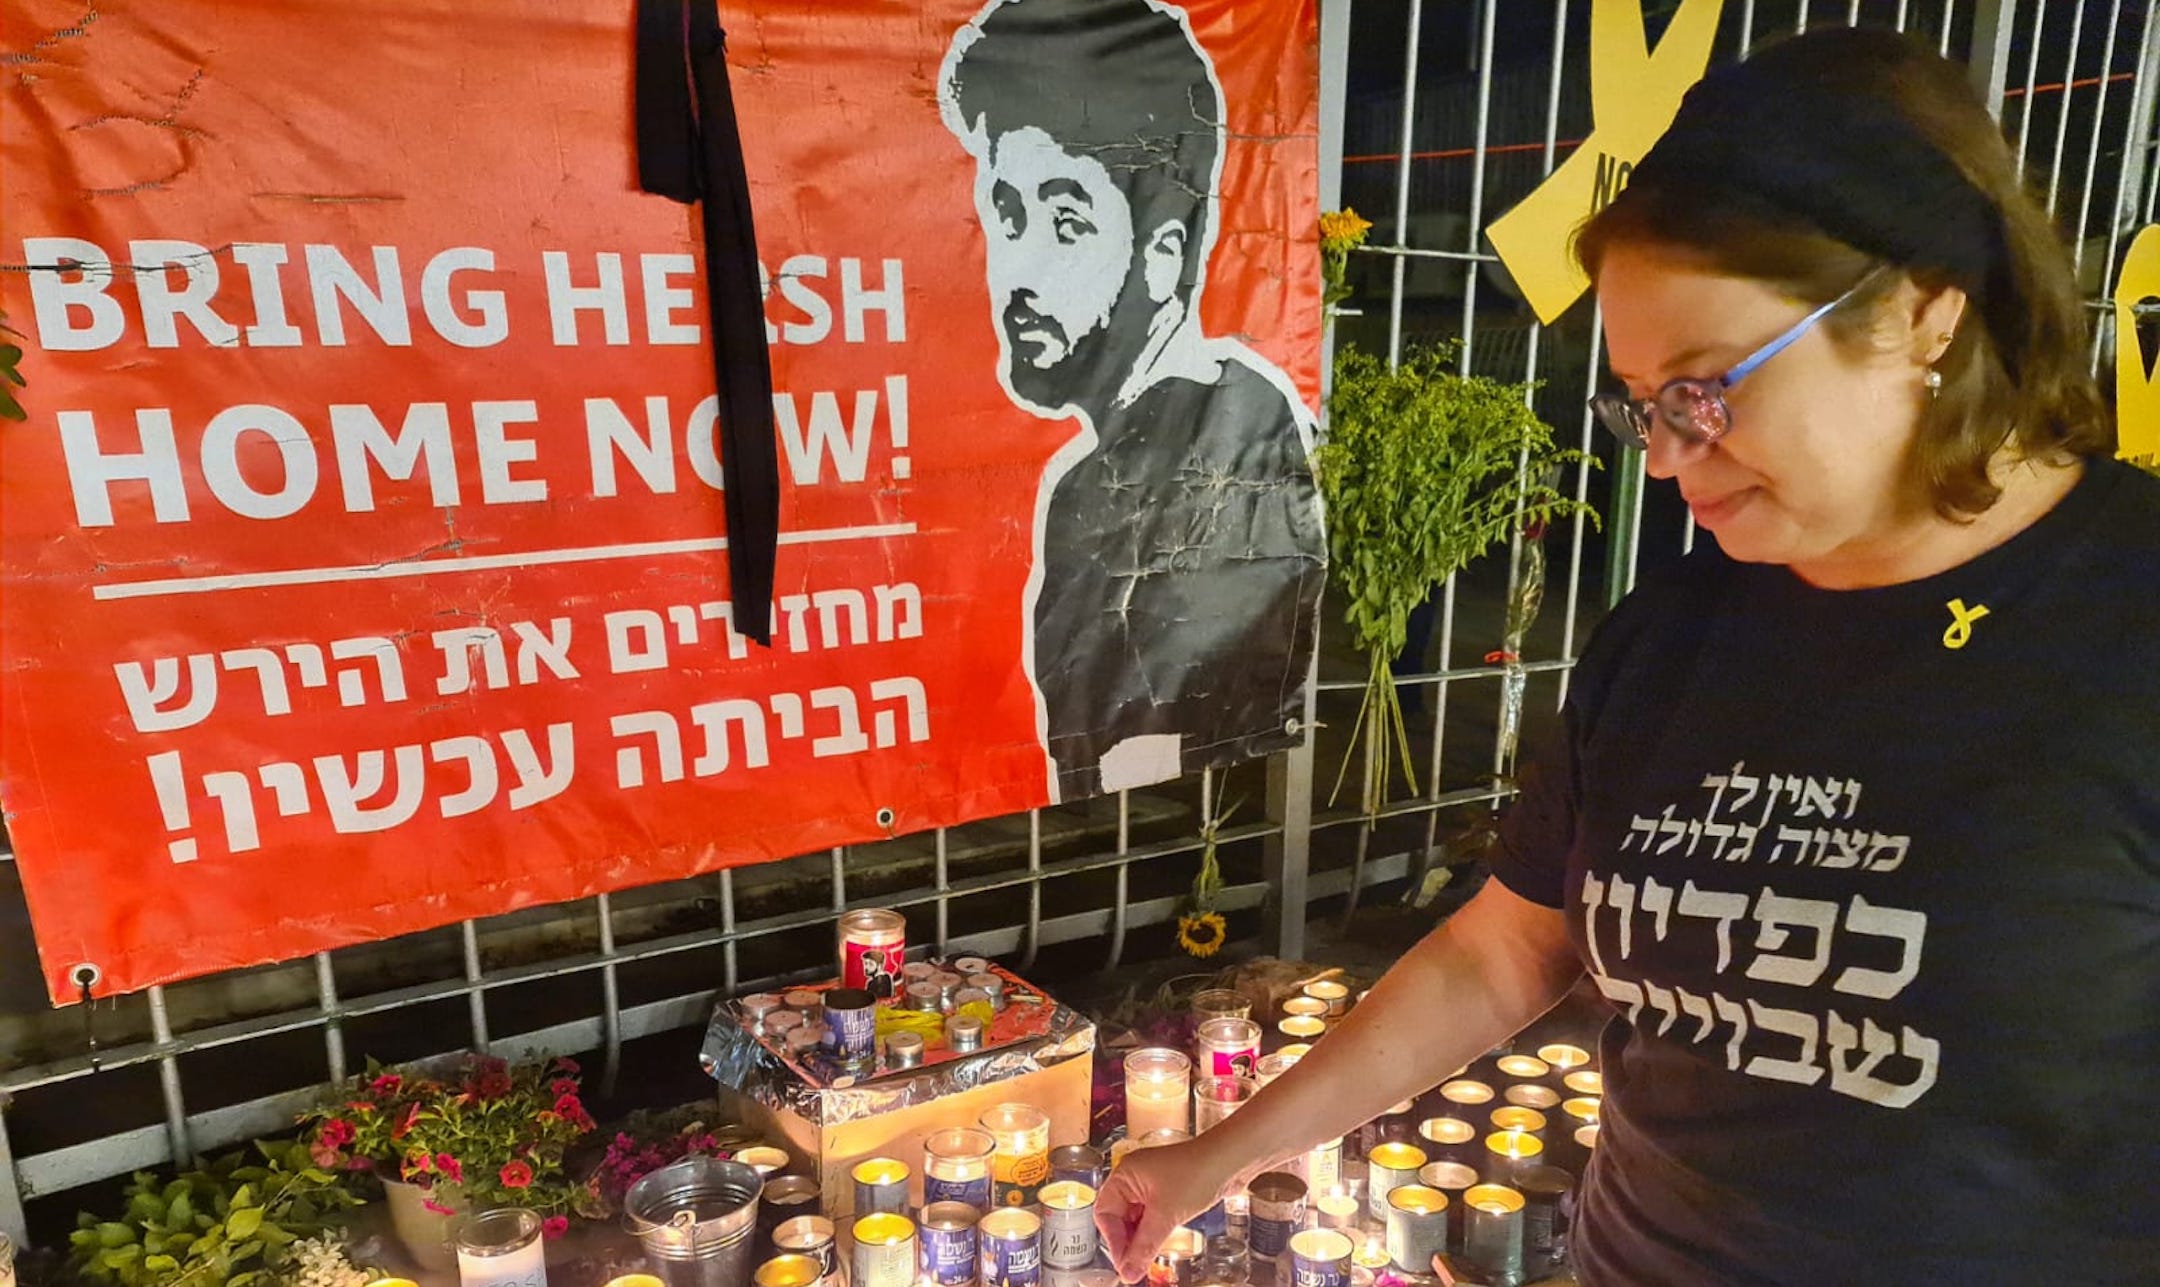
x=436 y=1207
x=323 y=1154
x=387 y=1084
x=516 y=1175
x=335 y=1133
x=554 y=1227
x=450 y=1167
x=404 y=1127
x=562 y=1086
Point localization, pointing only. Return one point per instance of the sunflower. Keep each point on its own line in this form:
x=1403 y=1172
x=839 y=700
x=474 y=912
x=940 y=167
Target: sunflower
x=1202 y=934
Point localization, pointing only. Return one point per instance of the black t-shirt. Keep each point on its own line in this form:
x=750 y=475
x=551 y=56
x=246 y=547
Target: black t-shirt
x=1873 y=880
x=1182 y=564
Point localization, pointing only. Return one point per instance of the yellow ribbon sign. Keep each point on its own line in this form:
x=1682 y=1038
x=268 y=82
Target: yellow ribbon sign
x=1633 y=95
x=1961 y=623
x=2137 y=397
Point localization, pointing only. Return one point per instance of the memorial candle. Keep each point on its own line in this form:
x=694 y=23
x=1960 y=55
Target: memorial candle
x=1158 y=1086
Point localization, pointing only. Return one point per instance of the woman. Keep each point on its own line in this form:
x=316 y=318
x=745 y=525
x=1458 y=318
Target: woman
x=1858 y=819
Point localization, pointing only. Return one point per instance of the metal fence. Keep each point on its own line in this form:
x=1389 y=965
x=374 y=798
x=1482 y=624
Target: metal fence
x=1482 y=100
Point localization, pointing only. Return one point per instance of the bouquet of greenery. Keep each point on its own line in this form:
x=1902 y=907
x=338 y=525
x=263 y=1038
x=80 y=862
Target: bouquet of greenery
x=1423 y=470
x=493 y=1135
x=239 y=1219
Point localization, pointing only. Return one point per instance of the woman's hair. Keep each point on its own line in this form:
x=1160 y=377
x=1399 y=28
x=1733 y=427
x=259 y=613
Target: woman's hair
x=1811 y=164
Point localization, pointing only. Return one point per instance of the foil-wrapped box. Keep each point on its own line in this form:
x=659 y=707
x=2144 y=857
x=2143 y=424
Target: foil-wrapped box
x=1034 y=1052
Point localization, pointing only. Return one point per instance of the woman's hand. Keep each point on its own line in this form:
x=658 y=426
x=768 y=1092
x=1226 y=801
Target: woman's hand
x=1151 y=1193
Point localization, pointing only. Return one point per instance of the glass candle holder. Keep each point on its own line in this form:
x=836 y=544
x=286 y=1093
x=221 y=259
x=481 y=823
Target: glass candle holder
x=956 y=1167
x=1272 y=1066
x=1022 y=1160
x=1387 y=1168
x=1493 y=1230
x=1335 y=995
x=1417 y=1227
x=1158 y=1087
x=500 y=1248
x=1220 y=1003
x=1215 y=1098
x=1227 y=1047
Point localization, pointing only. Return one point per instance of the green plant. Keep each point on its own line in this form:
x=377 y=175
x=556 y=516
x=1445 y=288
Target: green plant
x=1423 y=470
x=493 y=1135
x=226 y=1225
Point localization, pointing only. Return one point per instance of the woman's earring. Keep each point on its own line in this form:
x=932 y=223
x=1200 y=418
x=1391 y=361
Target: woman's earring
x=1933 y=381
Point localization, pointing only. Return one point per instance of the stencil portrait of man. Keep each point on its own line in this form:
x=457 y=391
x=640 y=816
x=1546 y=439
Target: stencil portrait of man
x=1179 y=555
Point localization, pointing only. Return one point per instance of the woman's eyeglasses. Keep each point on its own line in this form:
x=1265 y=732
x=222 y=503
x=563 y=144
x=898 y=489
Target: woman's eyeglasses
x=1696 y=410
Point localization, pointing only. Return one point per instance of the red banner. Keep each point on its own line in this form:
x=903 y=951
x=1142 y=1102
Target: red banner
x=363 y=548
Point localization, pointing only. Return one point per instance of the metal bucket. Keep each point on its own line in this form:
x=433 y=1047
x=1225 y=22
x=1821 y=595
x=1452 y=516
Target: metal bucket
x=695 y=1220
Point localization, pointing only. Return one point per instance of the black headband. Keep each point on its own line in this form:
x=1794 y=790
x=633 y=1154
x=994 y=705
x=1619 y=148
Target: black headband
x=1806 y=127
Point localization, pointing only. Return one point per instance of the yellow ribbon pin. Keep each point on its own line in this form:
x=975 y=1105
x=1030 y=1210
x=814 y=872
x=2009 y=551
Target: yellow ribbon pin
x=1634 y=93
x=1961 y=623
x=2137 y=396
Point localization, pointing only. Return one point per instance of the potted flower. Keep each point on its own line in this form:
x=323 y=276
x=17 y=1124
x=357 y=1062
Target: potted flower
x=490 y=1135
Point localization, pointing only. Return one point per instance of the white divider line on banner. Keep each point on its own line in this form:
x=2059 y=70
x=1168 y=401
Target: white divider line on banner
x=477 y=563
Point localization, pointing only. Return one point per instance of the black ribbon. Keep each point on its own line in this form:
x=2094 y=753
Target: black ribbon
x=689 y=149
x=1806 y=127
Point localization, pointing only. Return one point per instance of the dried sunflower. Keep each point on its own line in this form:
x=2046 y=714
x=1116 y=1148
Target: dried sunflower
x=1202 y=935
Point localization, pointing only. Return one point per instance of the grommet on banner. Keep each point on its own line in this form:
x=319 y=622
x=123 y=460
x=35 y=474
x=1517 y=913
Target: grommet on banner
x=885 y=819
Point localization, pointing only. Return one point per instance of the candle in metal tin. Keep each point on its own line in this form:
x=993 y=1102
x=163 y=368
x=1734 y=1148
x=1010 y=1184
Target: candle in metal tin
x=784 y=1198
x=1300 y=1027
x=926 y=996
x=1526 y=1120
x=779 y=1023
x=1587 y=1136
x=1321 y=1168
x=885 y=1252
x=904 y=1050
x=917 y=972
x=1158 y=1090
x=963 y=1034
x=757 y=1005
x=1308 y=1007
x=1509 y=1153
x=1585 y=1081
x=1335 y=995
x=990 y=985
x=1068 y=1236
x=949 y=985
x=956 y=1167
x=1545 y=1191
x=805 y=1039
x=1454 y=1179
x=1177 y=1262
x=1278 y=1208
x=1493 y=1230
x=1220 y=1003
x=873 y=943
x=1227 y=1047
x=1336 y=1210
x=1449 y=1138
x=1468 y=1094
x=1215 y=1098
x=1523 y=1067
x=881 y=1187
x=968 y=996
x=1417 y=1227
x=619 y=1280
x=1011 y=1248
x=951 y=1253
x=1272 y=1066
x=1321 y=1258
x=851 y=1027
x=970 y=965
x=810 y=1235
x=809 y=1004
x=788 y=1271
x=1386 y=1168
x=1564 y=1058
x=1296 y=1050
x=1526 y=1094
x=1582 y=1111
x=1078 y=1164
x=764 y=1159
x=1022 y=1160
